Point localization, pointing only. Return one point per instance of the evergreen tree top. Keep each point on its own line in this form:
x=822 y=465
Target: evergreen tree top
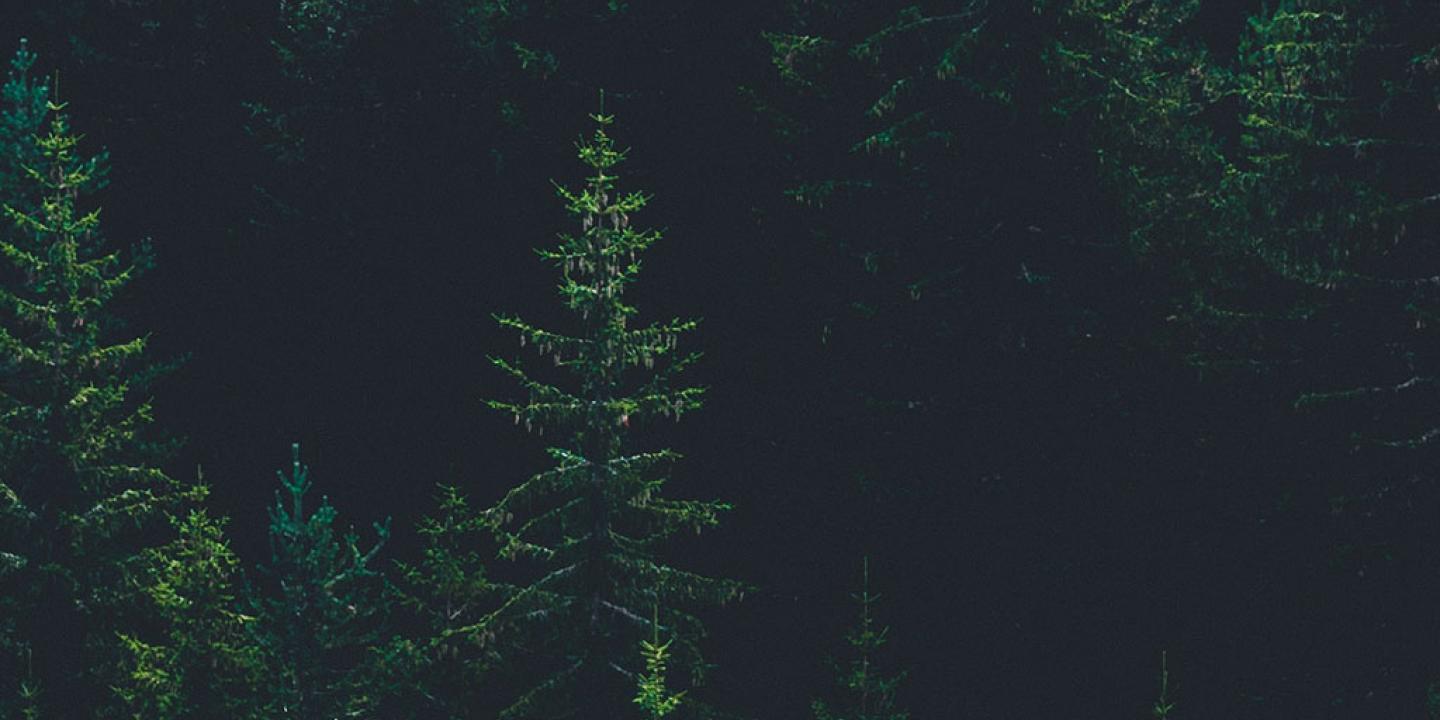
x=84 y=504
x=325 y=603
x=868 y=693
x=594 y=524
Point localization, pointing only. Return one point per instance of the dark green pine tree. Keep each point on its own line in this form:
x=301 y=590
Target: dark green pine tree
x=931 y=151
x=24 y=106
x=591 y=530
x=1333 y=196
x=82 y=498
x=1286 y=196
x=865 y=691
x=322 y=608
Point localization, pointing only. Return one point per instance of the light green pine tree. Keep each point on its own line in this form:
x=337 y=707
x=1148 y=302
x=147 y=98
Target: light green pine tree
x=588 y=535
x=82 y=498
x=653 y=698
x=204 y=662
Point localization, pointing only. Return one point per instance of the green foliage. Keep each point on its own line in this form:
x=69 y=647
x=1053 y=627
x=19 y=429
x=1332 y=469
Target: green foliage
x=866 y=692
x=1317 y=152
x=382 y=73
x=26 y=105
x=82 y=500
x=1282 y=194
x=205 y=662
x=651 y=695
x=1299 y=229
x=593 y=527
x=1128 y=75
x=935 y=155
x=441 y=667
x=1271 y=220
x=322 y=608
x=316 y=35
x=981 y=175
x=797 y=57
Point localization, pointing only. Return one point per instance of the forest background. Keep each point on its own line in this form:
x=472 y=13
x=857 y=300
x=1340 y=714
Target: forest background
x=1103 y=328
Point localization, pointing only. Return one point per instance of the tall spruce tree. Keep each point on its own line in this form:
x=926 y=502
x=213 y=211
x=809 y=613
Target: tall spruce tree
x=81 y=495
x=1283 y=197
x=1334 y=202
x=589 y=533
x=931 y=150
x=1285 y=194
x=322 y=607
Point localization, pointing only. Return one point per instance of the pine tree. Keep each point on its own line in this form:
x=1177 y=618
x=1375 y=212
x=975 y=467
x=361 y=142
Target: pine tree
x=26 y=104
x=322 y=607
x=593 y=526
x=81 y=495
x=1291 y=226
x=439 y=668
x=204 y=662
x=932 y=150
x=866 y=692
x=1333 y=198
x=651 y=694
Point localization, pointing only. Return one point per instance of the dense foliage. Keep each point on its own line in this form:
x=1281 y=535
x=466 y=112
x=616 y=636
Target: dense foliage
x=1105 y=326
x=85 y=503
x=322 y=606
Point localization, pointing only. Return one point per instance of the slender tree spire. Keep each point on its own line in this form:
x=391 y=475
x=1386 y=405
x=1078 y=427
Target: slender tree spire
x=652 y=697
x=592 y=528
x=322 y=607
x=866 y=693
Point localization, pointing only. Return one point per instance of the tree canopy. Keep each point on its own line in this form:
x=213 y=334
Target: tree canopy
x=1104 y=327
